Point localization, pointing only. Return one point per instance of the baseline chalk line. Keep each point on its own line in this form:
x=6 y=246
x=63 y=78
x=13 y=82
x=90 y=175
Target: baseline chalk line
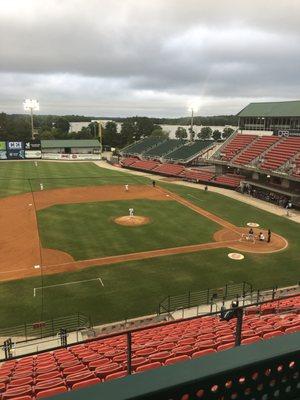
x=65 y=284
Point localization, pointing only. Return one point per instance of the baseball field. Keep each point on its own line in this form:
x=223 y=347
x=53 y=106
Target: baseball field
x=65 y=227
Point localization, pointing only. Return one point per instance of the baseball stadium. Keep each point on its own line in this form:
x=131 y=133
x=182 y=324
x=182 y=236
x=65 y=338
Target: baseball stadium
x=162 y=269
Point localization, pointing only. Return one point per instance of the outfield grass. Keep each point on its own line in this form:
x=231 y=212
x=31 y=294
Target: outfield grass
x=88 y=230
x=135 y=288
x=23 y=176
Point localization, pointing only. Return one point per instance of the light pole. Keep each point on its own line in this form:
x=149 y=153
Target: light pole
x=31 y=105
x=192 y=108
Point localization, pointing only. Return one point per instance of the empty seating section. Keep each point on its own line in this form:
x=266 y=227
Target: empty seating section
x=189 y=150
x=255 y=149
x=282 y=152
x=198 y=175
x=104 y=359
x=145 y=165
x=163 y=148
x=126 y=162
x=232 y=181
x=141 y=146
x=238 y=143
x=169 y=169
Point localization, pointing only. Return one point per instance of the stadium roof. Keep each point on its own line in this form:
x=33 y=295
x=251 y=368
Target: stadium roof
x=272 y=109
x=52 y=144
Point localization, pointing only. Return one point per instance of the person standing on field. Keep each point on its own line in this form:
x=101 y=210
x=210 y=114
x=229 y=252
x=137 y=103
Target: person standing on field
x=269 y=235
x=131 y=212
x=126 y=188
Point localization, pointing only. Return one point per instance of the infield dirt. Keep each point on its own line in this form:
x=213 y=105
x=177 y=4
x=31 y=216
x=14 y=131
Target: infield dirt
x=19 y=238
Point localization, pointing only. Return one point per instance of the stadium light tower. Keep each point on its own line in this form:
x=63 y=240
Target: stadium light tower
x=31 y=105
x=192 y=108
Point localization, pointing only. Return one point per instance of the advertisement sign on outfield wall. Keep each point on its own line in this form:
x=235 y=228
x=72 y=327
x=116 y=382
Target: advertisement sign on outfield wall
x=15 y=146
x=15 y=154
x=2 y=146
x=33 y=154
x=3 y=155
x=74 y=157
x=84 y=156
x=33 y=145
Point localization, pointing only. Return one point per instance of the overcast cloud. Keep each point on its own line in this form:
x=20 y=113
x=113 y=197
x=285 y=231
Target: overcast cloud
x=148 y=57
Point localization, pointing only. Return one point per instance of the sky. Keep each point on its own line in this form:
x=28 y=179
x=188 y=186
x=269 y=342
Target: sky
x=148 y=57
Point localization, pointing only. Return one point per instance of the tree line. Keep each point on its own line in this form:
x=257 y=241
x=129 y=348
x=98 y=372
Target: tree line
x=18 y=127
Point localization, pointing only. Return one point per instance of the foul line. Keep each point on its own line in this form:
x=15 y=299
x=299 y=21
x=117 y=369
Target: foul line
x=67 y=283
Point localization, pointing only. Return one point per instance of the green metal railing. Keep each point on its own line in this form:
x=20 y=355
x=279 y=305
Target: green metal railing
x=43 y=329
x=265 y=370
x=204 y=297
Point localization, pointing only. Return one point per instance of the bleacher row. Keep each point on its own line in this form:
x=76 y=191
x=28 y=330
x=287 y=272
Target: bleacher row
x=176 y=170
x=267 y=152
x=168 y=149
x=105 y=359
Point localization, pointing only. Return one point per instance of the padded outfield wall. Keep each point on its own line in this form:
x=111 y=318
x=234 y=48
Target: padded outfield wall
x=51 y=150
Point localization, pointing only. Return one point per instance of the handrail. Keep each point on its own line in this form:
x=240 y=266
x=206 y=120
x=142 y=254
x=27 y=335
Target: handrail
x=165 y=323
x=266 y=369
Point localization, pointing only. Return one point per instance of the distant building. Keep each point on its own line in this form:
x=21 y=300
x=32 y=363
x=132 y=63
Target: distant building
x=272 y=116
x=85 y=149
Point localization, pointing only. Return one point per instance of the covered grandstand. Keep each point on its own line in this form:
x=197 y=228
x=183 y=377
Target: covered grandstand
x=168 y=150
x=271 y=117
x=262 y=156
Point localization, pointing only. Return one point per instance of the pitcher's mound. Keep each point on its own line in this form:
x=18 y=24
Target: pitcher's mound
x=136 y=220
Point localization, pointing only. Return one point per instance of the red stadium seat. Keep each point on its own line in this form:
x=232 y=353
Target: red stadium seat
x=201 y=353
x=148 y=366
x=251 y=339
x=99 y=363
x=293 y=329
x=48 y=376
x=160 y=356
x=115 y=375
x=45 y=385
x=270 y=335
x=17 y=392
x=78 y=377
x=20 y=382
x=226 y=346
x=75 y=369
x=86 y=383
x=137 y=361
x=177 y=359
x=51 y=392
x=102 y=372
x=23 y=398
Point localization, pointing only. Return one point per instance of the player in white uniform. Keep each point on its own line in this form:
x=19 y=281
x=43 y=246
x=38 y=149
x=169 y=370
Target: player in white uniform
x=41 y=186
x=126 y=188
x=131 y=212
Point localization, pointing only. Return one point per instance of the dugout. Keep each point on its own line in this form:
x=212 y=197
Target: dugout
x=76 y=149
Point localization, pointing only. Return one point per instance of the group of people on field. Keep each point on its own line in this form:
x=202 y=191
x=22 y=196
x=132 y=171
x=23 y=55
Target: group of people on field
x=261 y=236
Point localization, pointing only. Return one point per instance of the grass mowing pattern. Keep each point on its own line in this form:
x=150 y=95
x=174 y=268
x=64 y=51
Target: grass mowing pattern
x=87 y=230
x=23 y=176
x=135 y=288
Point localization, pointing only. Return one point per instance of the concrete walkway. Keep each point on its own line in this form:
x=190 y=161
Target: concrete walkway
x=263 y=205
